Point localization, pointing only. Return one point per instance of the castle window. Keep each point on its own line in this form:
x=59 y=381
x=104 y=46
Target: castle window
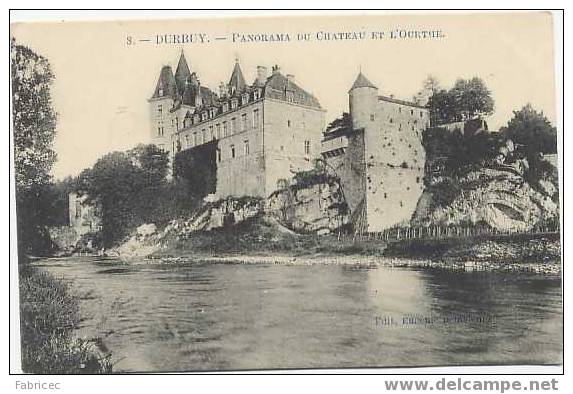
x=233 y=125
x=218 y=130
x=411 y=112
x=246 y=147
x=218 y=154
x=372 y=117
x=232 y=151
x=288 y=123
x=290 y=96
x=399 y=109
x=204 y=116
x=256 y=118
x=225 y=107
x=211 y=134
x=256 y=94
x=160 y=131
x=161 y=146
x=306 y=147
x=195 y=138
x=243 y=122
x=160 y=110
x=225 y=131
x=186 y=140
x=391 y=120
x=212 y=112
x=187 y=122
x=196 y=119
x=421 y=114
x=176 y=123
x=245 y=98
x=234 y=103
x=78 y=209
x=203 y=136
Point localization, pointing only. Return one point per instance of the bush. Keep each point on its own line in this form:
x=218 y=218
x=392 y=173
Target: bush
x=48 y=315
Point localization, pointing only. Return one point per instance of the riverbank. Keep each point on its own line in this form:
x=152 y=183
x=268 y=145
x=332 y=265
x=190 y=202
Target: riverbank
x=257 y=242
x=49 y=312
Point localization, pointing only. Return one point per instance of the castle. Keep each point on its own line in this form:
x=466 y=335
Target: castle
x=377 y=152
x=264 y=132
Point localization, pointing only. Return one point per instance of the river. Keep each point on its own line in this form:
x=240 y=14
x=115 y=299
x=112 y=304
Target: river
x=158 y=317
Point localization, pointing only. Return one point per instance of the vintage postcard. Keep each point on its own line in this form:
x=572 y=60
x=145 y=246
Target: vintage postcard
x=287 y=192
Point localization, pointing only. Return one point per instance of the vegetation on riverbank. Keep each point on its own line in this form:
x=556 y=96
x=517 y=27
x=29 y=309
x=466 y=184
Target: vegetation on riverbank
x=48 y=315
x=259 y=237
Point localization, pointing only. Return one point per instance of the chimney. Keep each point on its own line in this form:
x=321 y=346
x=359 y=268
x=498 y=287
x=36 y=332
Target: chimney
x=261 y=75
x=276 y=69
x=222 y=90
x=290 y=77
x=193 y=79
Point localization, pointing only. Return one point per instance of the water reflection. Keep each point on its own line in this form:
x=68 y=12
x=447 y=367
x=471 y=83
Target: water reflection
x=205 y=316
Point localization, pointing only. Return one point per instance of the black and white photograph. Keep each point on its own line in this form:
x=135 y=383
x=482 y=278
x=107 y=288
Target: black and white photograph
x=286 y=192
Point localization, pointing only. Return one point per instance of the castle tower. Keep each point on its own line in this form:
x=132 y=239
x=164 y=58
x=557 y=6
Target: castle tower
x=393 y=156
x=166 y=92
x=182 y=73
x=363 y=98
x=237 y=81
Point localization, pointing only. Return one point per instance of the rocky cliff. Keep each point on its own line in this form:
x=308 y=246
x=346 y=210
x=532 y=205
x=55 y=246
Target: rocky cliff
x=502 y=192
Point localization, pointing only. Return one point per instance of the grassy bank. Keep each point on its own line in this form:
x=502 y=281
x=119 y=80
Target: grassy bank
x=257 y=240
x=516 y=248
x=48 y=315
x=257 y=236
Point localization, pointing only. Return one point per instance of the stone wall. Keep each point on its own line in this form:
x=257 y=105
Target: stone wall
x=350 y=167
x=287 y=127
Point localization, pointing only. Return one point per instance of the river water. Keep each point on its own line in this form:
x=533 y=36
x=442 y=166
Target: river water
x=231 y=316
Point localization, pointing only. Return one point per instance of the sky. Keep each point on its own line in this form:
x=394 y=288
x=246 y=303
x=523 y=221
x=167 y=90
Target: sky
x=102 y=83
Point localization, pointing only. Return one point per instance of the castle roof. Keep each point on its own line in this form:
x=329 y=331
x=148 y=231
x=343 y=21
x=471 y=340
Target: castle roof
x=185 y=88
x=166 y=85
x=182 y=73
x=362 y=82
x=237 y=80
x=279 y=85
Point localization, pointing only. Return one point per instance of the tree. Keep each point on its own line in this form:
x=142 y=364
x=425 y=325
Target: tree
x=113 y=182
x=472 y=98
x=466 y=100
x=532 y=130
x=34 y=128
x=153 y=161
x=443 y=108
x=429 y=87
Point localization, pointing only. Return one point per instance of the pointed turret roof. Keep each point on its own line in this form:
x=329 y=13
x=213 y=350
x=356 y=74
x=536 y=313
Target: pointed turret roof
x=166 y=85
x=182 y=72
x=237 y=81
x=362 y=82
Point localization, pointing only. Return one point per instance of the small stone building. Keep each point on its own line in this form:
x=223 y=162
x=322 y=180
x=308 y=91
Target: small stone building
x=84 y=216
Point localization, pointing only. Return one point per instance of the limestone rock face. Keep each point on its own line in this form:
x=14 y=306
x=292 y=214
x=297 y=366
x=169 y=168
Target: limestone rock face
x=499 y=197
x=318 y=208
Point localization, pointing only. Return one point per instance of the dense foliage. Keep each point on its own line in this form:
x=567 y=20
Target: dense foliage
x=532 y=130
x=34 y=123
x=197 y=166
x=467 y=99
